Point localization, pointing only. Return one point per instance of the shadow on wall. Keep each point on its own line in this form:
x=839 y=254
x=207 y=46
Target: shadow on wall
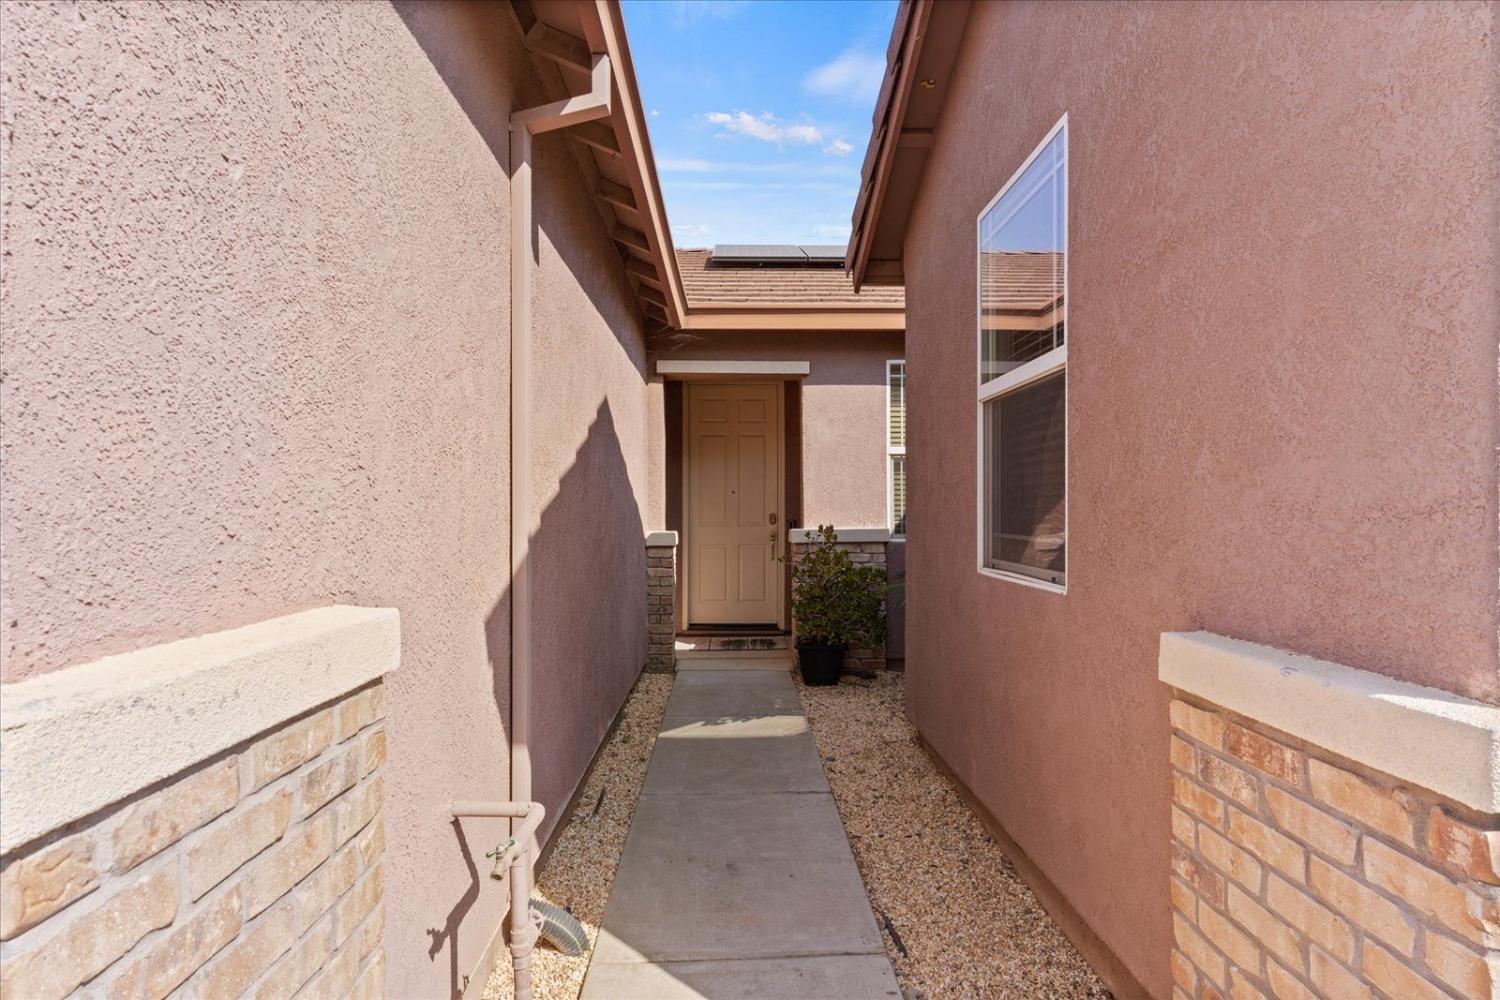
x=587 y=556
x=588 y=580
x=588 y=565
x=468 y=48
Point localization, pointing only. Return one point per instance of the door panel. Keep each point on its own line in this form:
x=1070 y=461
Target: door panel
x=711 y=579
x=733 y=503
x=752 y=509
x=713 y=472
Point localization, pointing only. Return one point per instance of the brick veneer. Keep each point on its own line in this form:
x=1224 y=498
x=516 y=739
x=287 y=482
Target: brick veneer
x=661 y=607
x=1296 y=874
x=857 y=661
x=253 y=874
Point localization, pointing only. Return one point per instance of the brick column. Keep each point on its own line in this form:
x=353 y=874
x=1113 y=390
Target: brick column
x=1299 y=872
x=661 y=601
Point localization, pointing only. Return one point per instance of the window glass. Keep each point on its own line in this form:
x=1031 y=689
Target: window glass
x=1029 y=462
x=895 y=443
x=1023 y=357
x=1022 y=262
x=898 y=495
x=896 y=436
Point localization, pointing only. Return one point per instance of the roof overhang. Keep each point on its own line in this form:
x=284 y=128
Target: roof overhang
x=758 y=316
x=613 y=153
x=919 y=74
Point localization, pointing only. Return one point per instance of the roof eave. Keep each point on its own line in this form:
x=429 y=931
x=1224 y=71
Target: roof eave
x=763 y=317
x=632 y=116
x=918 y=24
x=901 y=61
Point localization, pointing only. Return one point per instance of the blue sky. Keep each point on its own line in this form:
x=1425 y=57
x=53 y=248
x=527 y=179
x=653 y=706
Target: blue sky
x=759 y=112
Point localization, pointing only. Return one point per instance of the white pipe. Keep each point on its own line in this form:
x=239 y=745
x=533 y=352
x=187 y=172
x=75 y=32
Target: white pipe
x=521 y=264
x=517 y=854
x=531 y=815
x=523 y=932
x=523 y=124
x=519 y=843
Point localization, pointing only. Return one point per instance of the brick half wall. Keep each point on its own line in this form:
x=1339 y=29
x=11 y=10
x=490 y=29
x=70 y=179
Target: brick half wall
x=256 y=872
x=1298 y=872
x=251 y=875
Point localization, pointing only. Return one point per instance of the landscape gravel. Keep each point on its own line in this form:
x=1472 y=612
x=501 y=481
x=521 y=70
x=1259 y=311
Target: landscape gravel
x=957 y=919
x=581 y=869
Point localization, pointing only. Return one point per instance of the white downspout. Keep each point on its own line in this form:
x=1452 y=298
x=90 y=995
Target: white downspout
x=523 y=125
x=526 y=814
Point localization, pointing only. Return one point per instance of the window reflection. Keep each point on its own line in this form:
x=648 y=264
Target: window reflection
x=1022 y=264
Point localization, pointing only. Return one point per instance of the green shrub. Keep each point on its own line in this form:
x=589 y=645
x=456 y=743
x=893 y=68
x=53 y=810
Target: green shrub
x=836 y=601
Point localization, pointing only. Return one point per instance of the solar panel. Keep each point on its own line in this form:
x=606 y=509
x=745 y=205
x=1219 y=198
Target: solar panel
x=758 y=251
x=776 y=253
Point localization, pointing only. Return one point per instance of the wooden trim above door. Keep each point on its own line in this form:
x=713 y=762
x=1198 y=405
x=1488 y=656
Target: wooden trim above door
x=779 y=368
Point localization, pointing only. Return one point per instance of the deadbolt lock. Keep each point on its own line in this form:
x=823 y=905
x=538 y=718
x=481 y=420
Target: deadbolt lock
x=773 y=517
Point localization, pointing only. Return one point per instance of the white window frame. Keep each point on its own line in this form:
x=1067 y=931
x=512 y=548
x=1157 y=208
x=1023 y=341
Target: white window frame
x=893 y=450
x=1053 y=361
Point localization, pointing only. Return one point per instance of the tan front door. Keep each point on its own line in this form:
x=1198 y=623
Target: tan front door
x=734 y=503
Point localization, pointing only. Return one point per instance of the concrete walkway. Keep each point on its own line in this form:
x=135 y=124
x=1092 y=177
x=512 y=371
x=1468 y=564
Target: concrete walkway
x=737 y=880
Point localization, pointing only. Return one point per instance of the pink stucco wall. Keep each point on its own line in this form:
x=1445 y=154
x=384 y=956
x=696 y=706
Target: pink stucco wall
x=1282 y=400
x=255 y=359
x=843 y=412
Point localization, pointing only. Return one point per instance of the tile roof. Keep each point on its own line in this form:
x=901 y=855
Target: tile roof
x=1020 y=280
x=775 y=286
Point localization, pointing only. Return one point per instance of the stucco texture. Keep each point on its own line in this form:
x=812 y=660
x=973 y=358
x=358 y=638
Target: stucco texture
x=843 y=412
x=255 y=359
x=1282 y=401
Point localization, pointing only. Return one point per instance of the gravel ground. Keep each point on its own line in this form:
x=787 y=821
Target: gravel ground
x=957 y=919
x=581 y=870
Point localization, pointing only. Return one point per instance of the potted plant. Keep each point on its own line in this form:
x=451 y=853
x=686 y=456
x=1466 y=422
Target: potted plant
x=836 y=604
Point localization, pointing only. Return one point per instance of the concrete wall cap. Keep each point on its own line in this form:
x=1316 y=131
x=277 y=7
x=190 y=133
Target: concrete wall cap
x=1433 y=739
x=661 y=539
x=79 y=739
x=800 y=535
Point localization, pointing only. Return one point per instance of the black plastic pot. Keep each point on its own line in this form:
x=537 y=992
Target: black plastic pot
x=820 y=664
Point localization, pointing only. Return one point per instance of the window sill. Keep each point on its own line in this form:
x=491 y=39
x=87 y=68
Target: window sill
x=1025 y=581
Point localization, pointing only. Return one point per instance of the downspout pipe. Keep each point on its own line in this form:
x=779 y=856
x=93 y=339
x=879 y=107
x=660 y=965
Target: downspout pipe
x=524 y=124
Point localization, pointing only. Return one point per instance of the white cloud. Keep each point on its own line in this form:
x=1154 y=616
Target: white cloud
x=655 y=113
x=765 y=127
x=835 y=231
x=692 y=232
x=838 y=147
x=852 y=76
